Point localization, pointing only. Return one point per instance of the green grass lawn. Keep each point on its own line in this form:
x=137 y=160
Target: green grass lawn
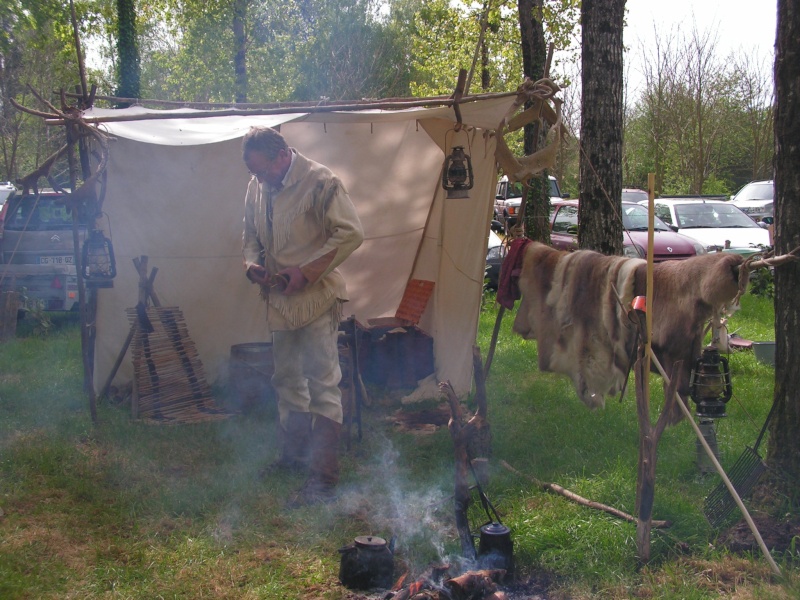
x=127 y=509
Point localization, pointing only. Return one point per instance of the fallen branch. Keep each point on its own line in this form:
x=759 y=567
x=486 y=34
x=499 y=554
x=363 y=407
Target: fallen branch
x=553 y=487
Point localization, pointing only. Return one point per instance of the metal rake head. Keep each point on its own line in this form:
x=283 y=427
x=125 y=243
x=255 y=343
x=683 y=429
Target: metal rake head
x=744 y=475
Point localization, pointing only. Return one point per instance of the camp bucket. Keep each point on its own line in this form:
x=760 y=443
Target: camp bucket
x=250 y=370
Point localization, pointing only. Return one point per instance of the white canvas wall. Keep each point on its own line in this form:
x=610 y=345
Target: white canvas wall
x=176 y=191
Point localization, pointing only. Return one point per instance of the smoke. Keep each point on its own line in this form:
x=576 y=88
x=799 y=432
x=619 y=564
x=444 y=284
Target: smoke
x=417 y=514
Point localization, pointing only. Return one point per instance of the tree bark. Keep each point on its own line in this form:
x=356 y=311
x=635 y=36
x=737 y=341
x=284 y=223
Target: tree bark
x=534 y=58
x=599 y=223
x=129 y=73
x=240 y=50
x=783 y=452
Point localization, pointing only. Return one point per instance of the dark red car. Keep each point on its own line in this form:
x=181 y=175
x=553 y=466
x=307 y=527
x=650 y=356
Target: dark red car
x=667 y=244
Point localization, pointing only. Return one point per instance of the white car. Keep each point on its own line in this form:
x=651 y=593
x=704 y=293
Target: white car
x=6 y=189
x=508 y=199
x=716 y=224
x=756 y=199
x=495 y=253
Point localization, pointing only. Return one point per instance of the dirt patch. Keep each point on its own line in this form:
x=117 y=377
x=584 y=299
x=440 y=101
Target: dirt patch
x=428 y=420
x=776 y=533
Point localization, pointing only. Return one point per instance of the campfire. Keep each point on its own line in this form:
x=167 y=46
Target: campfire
x=367 y=563
x=438 y=585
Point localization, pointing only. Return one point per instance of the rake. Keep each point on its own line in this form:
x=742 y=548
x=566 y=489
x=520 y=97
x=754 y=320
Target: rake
x=744 y=475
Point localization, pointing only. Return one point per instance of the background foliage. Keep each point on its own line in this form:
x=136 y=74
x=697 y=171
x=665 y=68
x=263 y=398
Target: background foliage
x=701 y=122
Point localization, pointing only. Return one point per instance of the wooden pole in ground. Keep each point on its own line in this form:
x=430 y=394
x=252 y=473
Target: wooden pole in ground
x=9 y=307
x=648 y=436
x=461 y=497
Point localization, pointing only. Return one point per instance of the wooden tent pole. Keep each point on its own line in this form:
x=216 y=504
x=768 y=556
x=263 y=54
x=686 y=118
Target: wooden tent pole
x=280 y=110
x=88 y=375
x=648 y=435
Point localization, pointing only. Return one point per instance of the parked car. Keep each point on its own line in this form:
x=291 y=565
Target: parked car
x=495 y=254
x=508 y=199
x=6 y=190
x=37 y=249
x=668 y=245
x=715 y=223
x=755 y=199
x=634 y=195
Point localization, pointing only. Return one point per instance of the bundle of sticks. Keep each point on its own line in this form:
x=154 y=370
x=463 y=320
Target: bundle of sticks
x=169 y=380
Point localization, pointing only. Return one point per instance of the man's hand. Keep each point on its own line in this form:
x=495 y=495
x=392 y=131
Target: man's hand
x=297 y=281
x=258 y=274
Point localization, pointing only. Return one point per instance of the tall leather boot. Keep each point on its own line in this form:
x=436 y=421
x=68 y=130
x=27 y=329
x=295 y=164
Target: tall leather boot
x=320 y=487
x=295 y=440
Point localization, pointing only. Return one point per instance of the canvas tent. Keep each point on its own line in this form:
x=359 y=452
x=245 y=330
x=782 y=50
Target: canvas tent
x=175 y=192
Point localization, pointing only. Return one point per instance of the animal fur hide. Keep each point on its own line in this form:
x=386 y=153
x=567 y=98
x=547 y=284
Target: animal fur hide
x=577 y=304
x=569 y=305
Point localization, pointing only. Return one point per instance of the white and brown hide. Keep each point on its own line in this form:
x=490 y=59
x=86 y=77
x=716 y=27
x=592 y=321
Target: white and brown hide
x=577 y=304
x=686 y=293
x=569 y=304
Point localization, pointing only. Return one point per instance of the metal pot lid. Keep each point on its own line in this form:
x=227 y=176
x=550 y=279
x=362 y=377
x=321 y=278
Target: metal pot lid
x=371 y=542
x=495 y=529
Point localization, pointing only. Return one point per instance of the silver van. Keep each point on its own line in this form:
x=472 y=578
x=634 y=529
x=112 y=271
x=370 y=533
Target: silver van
x=37 y=249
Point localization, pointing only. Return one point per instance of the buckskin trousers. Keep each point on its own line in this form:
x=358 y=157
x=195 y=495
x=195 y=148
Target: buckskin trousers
x=307 y=372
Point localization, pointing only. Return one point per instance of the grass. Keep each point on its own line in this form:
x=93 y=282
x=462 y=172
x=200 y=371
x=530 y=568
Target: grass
x=127 y=509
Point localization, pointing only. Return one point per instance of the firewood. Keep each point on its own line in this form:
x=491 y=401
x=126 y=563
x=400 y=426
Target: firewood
x=412 y=591
x=474 y=584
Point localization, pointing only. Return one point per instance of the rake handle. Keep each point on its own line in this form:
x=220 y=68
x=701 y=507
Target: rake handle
x=764 y=428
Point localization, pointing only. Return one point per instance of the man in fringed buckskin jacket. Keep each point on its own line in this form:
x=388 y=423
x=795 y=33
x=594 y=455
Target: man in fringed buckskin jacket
x=299 y=225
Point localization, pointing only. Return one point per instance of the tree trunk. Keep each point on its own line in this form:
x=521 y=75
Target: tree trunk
x=783 y=452
x=129 y=74
x=534 y=57
x=599 y=223
x=240 y=51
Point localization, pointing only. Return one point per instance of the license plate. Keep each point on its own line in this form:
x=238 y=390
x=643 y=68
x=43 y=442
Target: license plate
x=66 y=259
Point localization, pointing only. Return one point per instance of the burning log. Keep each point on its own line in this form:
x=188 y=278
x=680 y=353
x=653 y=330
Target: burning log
x=471 y=585
x=426 y=586
x=474 y=584
x=418 y=590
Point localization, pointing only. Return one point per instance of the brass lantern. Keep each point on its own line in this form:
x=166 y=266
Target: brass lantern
x=710 y=389
x=457 y=175
x=99 y=265
x=710 y=384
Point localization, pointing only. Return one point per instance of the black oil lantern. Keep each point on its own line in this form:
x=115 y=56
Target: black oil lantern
x=99 y=265
x=457 y=173
x=710 y=384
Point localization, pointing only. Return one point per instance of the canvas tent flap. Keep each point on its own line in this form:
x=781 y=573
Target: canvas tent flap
x=182 y=204
x=182 y=129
